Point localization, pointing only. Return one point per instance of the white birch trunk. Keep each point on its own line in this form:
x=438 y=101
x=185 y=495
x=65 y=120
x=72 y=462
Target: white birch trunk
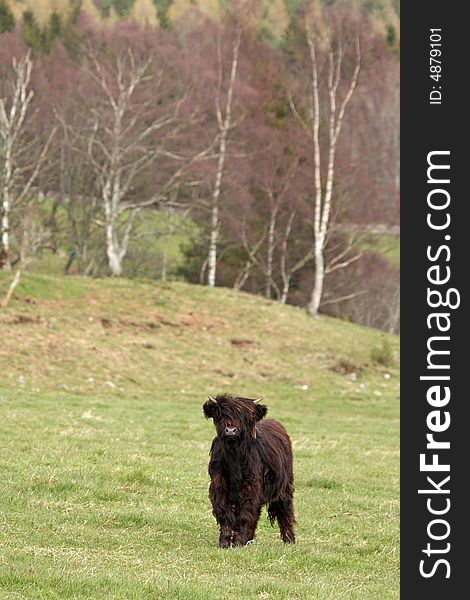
x=242 y=277
x=11 y=289
x=113 y=250
x=12 y=119
x=285 y=291
x=285 y=274
x=224 y=126
x=214 y=238
x=6 y=204
x=335 y=114
x=15 y=150
x=319 y=279
x=116 y=249
x=270 y=252
x=164 y=260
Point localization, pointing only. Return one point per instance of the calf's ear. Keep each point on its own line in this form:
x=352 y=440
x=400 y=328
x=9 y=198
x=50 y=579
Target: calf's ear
x=261 y=411
x=209 y=408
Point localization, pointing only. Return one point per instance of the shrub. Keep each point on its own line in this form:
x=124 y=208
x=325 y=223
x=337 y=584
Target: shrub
x=383 y=354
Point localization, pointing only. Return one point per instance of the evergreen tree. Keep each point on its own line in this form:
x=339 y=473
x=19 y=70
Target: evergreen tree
x=32 y=34
x=273 y=19
x=55 y=25
x=53 y=30
x=7 y=20
x=163 y=6
x=122 y=8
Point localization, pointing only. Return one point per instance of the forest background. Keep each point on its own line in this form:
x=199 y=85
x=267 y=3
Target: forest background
x=246 y=144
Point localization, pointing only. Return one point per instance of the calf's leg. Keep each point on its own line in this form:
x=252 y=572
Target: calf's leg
x=282 y=509
x=221 y=509
x=247 y=522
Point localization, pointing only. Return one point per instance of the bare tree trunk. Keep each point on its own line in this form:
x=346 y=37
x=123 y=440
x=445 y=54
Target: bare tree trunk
x=116 y=250
x=11 y=289
x=323 y=199
x=214 y=237
x=5 y=248
x=169 y=230
x=202 y=272
x=243 y=275
x=165 y=260
x=319 y=279
x=270 y=252
x=14 y=150
x=112 y=250
x=6 y=204
x=7 y=135
x=224 y=126
x=11 y=125
x=285 y=274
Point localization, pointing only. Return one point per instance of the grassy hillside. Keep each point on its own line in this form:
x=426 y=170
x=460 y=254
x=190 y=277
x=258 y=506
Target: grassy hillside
x=104 y=448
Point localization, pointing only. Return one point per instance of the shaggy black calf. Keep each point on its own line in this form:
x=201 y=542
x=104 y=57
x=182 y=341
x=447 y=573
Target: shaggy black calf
x=250 y=465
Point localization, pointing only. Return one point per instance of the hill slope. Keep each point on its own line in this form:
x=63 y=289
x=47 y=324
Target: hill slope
x=105 y=448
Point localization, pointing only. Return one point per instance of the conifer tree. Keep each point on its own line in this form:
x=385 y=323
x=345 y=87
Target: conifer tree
x=7 y=20
x=31 y=32
x=162 y=8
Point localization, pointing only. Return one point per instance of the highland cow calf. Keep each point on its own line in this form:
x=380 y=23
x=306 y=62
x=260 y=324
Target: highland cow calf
x=250 y=465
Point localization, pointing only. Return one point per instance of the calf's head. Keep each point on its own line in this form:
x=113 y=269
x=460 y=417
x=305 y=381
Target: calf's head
x=234 y=417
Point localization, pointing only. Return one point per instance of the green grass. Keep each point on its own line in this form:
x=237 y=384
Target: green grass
x=387 y=246
x=153 y=235
x=104 y=448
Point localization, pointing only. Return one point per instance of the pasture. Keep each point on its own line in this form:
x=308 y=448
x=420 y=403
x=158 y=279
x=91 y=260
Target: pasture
x=104 y=446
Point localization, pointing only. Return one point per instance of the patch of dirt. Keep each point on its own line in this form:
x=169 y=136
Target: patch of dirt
x=243 y=343
x=164 y=321
x=200 y=321
x=25 y=320
x=229 y=374
x=346 y=366
x=125 y=324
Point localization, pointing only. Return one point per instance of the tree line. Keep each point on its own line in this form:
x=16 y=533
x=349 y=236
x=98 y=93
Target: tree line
x=276 y=152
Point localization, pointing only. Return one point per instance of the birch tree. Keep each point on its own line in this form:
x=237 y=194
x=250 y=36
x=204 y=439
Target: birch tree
x=332 y=110
x=122 y=141
x=21 y=155
x=225 y=123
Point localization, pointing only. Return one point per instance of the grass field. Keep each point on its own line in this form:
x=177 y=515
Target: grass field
x=386 y=246
x=104 y=447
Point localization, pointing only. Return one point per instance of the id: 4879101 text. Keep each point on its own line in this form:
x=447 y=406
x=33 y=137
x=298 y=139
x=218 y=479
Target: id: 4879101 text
x=435 y=65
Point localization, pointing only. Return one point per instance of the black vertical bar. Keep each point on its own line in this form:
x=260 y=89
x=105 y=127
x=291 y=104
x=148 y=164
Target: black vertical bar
x=428 y=127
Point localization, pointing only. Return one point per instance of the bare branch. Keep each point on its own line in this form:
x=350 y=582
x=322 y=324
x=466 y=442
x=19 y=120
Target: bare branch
x=39 y=163
x=343 y=298
x=296 y=114
x=341 y=265
x=11 y=289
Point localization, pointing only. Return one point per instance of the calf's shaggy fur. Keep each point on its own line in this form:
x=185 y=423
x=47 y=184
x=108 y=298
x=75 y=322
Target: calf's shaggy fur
x=250 y=465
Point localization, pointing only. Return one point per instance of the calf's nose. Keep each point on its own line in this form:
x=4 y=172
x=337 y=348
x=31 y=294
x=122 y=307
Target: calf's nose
x=230 y=431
